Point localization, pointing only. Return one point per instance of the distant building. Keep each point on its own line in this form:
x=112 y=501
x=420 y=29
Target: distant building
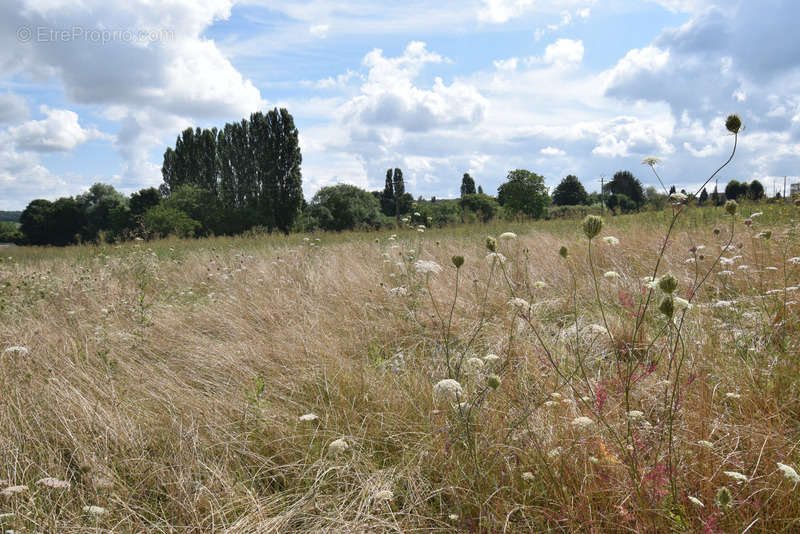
x=794 y=189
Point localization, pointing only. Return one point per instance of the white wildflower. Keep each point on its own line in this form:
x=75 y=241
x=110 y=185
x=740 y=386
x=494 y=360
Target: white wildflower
x=308 y=417
x=735 y=475
x=520 y=305
x=770 y=268
x=491 y=359
x=611 y=240
x=398 y=291
x=527 y=476
x=338 y=447
x=689 y=260
x=635 y=414
x=611 y=275
x=539 y=284
x=495 y=256
x=94 y=510
x=597 y=329
x=453 y=517
x=743 y=267
x=51 y=482
x=383 y=495
x=705 y=444
x=16 y=349
x=416 y=214
x=650 y=160
x=13 y=490
x=732 y=395
x=556 y=395
x=555 y=453
x=582 y=422
x=682 y=303
x=678 y=197
x=447 y=390
x=696 y=501
x=794 y=261
x=725 y=261
x=427 y=267
x=473 y=365
x=508 y=235
x=551 y=404
x=725 y=273
x=723 y=304
x=756 y=214
x=789 y=472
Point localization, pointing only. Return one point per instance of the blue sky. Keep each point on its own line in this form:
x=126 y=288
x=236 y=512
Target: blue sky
x=438 y=89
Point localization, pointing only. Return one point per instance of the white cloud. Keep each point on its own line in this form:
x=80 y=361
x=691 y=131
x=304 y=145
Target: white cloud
x=13 y=108
x=552 y=151
x=564 y=52
x=319 y=30
x=60 y=131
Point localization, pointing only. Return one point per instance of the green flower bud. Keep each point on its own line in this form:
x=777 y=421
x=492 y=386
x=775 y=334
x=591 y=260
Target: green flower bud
x=563 y=252
x=491 y=244
x=493 y=381
x=458 y=261
x=668 y=283
x=731 y=206
x=667 y=306
x=733 y=123
x=592 y=225
x=724 y=497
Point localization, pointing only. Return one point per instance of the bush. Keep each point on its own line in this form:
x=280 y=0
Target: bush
x=342 y=207
x=163 y=220
x=10 y=233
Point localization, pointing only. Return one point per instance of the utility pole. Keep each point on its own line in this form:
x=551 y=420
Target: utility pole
x=784 y=188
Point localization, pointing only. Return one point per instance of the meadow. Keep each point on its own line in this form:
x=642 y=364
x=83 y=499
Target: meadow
x=549 y=379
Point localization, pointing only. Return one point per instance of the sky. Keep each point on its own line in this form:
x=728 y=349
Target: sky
x=96 y=90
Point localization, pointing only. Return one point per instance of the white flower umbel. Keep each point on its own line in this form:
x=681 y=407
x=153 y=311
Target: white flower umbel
x=789 y=473
x=520 y=305
x=491 y=359
x=16 y=349
x=427 y=267
x=495 y=256
x=338 y=447
x=51 y=482
x=473 y=365
x=582 y=422
x=611 y=240
x=308 y=417
x=735 y=475
x=696 y=501
x=447 y=390
x=94 y=510
x=611 y=275
x=508 y=235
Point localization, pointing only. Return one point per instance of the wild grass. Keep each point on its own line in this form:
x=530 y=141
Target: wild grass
x=165 y=382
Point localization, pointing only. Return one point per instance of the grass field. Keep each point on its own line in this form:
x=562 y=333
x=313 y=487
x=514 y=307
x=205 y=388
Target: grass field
x=294 y=384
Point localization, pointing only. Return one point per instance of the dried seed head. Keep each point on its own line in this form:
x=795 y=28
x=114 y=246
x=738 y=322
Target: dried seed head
x=563 y=252
x=493 y=381
x=668 y=283
x=731 y=206
x=491 y=244
x=592 y=225
x=667 y=306
x=458 y=261
x=733 y=123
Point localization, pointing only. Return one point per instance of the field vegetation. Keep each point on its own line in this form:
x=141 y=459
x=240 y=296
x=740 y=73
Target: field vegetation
x=409 y=381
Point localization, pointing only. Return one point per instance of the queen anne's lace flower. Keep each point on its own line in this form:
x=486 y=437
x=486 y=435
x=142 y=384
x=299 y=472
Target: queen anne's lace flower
x=735 y=475
x=582 y=422
x=508 y=235
x=427 y=267
x=338 y=447
x=447 y=390
x=611 y=240
x=308 y=417
x=789 y=472
x=51 y=482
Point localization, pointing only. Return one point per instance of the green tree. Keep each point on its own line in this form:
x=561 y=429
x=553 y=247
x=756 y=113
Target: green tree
x=96 y=205
x=625 y=183
x=523 y=192
x=715 y=196
x=755 y=191
x=480 y=190
x=483 y=206
x=36 y=221
x=162 y=220
x=10 y=233
x=570 y=192
x=143 y=200
x=703 y=197
x=343 y=207
x=388 y=204
x=467 y=185
x=67 y=222
x=735 y=190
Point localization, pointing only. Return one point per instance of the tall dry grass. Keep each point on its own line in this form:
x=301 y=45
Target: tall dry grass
x=165 y=382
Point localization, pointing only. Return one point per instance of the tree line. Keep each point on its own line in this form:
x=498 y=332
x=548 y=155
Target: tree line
x=247 y=175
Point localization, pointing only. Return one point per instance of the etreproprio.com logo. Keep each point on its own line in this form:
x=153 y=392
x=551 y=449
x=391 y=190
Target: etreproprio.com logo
x=47 y=34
